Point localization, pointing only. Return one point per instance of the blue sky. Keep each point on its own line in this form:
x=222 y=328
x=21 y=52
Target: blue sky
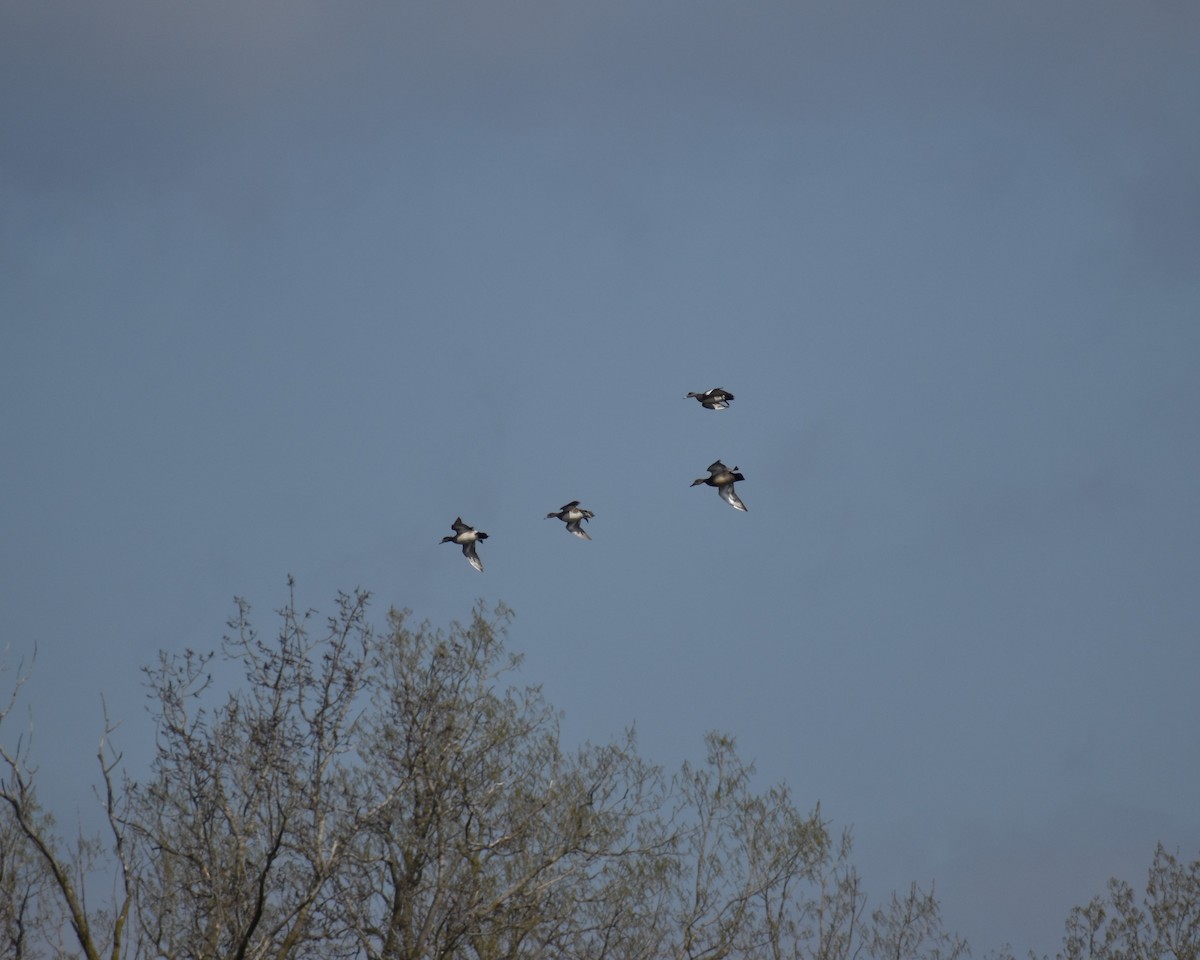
x=288 y=286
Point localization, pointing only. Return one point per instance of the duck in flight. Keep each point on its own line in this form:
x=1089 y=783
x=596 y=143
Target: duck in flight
x=466 y=535
x=572 y=514
x=721 y=477
x=714 y=399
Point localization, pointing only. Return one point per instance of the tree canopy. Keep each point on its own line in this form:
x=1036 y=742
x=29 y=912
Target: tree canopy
x=395 y=792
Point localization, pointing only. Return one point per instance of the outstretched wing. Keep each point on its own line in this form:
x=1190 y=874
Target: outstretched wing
x=729 y=495
x=575 y=528
x=473 y=557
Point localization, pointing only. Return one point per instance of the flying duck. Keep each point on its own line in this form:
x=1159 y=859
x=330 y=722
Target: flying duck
x=721 y=477
x=466 y=535
x=572 y=514
x=714 y=399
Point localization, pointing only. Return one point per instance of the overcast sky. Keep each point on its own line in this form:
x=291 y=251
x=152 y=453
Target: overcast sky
x=287 y=286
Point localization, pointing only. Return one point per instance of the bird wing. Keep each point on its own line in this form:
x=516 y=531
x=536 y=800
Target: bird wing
x=729 y=495
x=472 y=556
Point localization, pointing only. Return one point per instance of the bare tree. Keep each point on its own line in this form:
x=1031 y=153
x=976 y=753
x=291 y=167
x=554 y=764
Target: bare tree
x=910 y=928
x=349 y=792
x=22 y=891
x=748 y=858
x=1165 y=925
x=46 y=878
x=248 y=814
x=482 y=835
